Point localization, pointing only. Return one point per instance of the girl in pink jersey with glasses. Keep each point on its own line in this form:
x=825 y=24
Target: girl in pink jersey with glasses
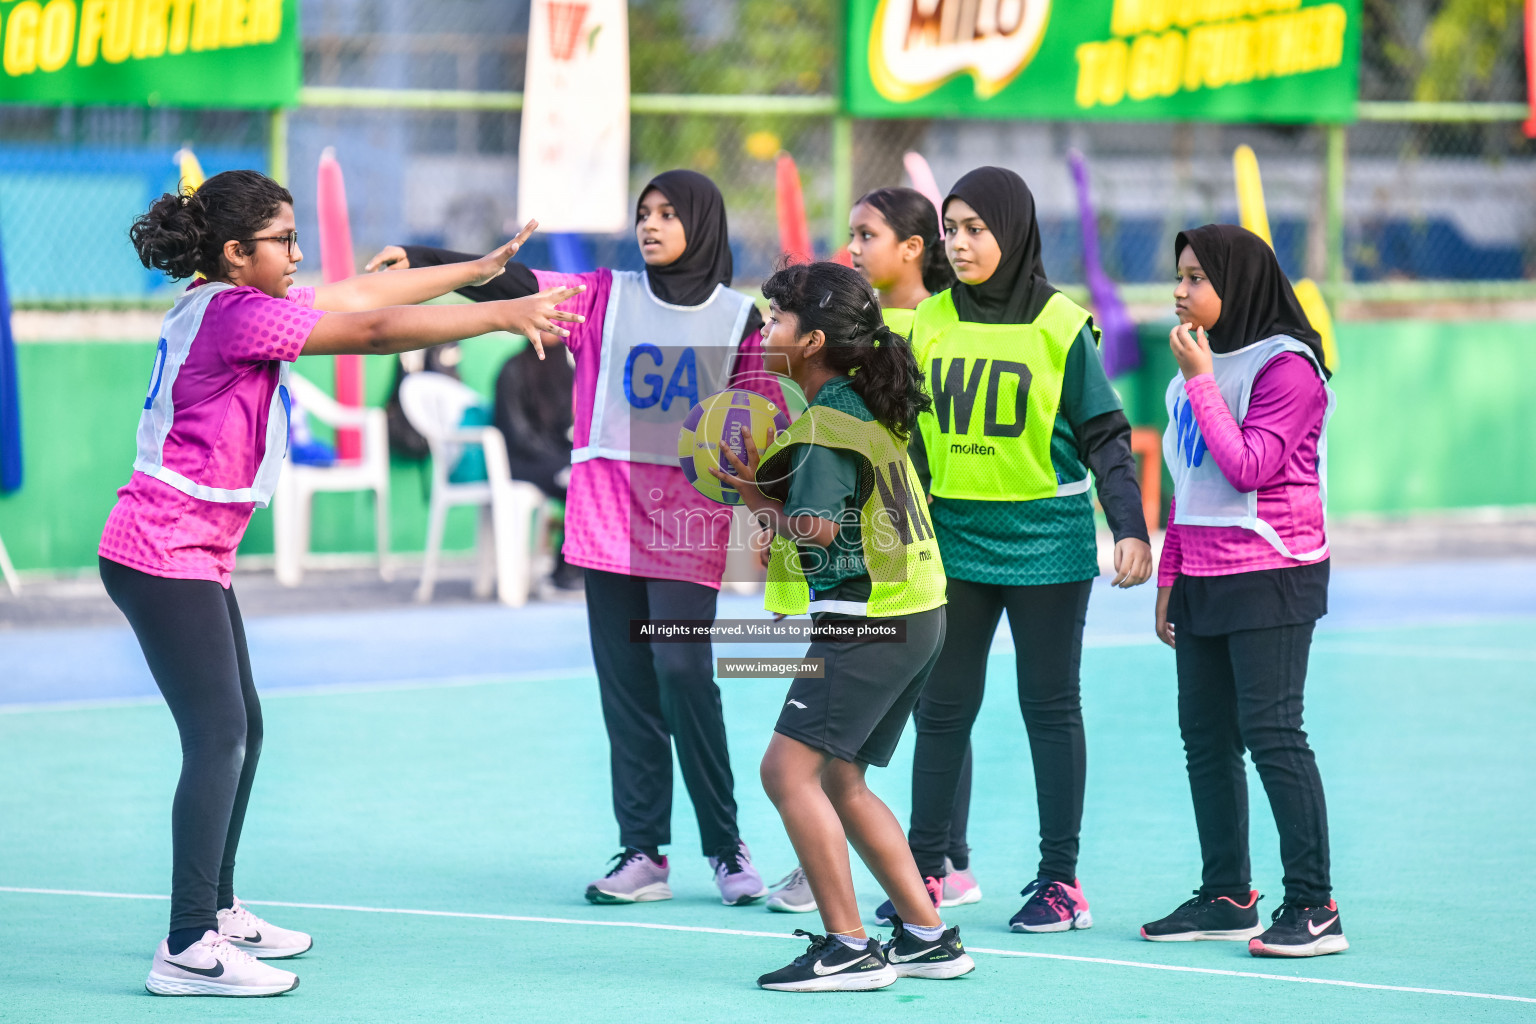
x=211 y=440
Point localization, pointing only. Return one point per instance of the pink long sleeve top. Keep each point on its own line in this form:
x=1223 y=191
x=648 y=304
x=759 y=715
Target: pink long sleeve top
x=1273 y=451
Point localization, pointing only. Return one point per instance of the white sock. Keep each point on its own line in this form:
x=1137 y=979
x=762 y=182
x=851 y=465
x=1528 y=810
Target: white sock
x=856 y=942
x=925 y=934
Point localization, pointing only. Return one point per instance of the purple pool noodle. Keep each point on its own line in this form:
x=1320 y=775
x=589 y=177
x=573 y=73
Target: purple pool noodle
x=1118 y=348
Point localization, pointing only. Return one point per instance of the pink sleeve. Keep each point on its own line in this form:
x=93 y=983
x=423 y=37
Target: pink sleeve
x=1286 y=402
x=592 y=303
x=253 y=327
x=1173 y=551
x=750 y=373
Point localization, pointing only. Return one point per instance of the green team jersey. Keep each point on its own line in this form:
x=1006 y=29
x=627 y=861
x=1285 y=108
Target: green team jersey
x=1047 y=540
x=825 y=484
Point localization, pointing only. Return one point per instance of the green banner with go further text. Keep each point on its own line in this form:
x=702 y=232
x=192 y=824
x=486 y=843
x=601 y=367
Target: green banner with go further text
x=189 y=53
x=1113 y=60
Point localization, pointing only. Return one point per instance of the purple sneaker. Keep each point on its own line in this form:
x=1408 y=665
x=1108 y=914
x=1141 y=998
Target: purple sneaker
x=739 y=882
x=635 y=878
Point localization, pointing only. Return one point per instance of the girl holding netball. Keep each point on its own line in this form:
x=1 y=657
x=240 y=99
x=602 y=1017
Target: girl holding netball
x=1022 y=412
x=852 y=543
x=895 y=245
x=655 y=342
x=1243 y=581
x=211 y=441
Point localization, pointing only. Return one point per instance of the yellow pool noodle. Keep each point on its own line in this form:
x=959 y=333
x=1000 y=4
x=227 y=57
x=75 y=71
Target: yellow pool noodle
x=1250 y=193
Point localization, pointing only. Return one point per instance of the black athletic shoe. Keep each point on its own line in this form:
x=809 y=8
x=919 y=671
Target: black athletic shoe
x=1216 y=917
x=828 y=965
x=912 y=957
x=1302 y=931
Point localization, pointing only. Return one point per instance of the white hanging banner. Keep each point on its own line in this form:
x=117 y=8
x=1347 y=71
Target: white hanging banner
x=573 y=158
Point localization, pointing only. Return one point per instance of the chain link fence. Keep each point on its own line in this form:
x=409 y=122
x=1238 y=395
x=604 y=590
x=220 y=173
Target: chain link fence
x=1443 y=201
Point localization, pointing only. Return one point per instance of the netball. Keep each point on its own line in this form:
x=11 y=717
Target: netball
x=720 y=417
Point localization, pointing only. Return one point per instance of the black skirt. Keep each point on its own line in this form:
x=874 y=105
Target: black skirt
x=1218 y=605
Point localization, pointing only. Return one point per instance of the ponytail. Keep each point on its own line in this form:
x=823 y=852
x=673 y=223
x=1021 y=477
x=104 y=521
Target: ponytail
x=837 y=301
x=184 y=233
x=910 y=213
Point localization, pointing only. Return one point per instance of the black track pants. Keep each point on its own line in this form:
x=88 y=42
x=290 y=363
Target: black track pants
x=1244 y=691
x=193 y=639
x=654 y=695
x=1047 y=626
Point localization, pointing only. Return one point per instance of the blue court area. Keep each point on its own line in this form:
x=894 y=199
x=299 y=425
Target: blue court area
x=434 y=798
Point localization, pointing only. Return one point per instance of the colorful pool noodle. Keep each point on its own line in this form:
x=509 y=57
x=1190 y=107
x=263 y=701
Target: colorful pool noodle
x=1254 y=216
x=923 y=181
x=1530 y=66
x=794 y=230
x=337 y=264
x=191 y=171
x=10 y=398
x=1118 y=346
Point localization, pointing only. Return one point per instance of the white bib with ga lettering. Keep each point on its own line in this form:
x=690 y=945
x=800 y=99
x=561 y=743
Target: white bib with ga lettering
x=657 y=361
x=177 y=334
x=1203 y=495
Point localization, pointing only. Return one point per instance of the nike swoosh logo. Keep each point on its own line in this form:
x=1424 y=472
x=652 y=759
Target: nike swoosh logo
x=245 y=938
x=796 y=704
x=1317 y=930
x=824 y=971
x=897 y=958
x=208 y=972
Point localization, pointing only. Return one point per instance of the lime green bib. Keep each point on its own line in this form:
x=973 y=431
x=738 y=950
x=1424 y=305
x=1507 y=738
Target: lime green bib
x=899 y=320
x=996 y=390
x=901 y=553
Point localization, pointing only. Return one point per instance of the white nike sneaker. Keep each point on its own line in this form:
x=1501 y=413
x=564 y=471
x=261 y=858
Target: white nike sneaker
x=261 y=939
x=213 y=967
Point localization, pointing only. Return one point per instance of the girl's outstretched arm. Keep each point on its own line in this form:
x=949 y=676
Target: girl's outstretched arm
x=403 y=328
x=417 y=284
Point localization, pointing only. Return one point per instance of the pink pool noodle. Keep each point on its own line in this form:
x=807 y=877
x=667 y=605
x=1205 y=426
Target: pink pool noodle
x=924 y=181
x=336 y=264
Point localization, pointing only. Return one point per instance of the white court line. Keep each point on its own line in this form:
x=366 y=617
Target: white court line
x=699 y=929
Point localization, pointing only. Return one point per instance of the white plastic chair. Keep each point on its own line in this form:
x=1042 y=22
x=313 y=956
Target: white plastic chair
x=512 y=512
x=9 y=572
x=297 y=485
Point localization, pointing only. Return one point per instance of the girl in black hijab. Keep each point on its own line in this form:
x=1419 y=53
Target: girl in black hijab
x=650 y=546
x=1243 y=581
x=1022 y=412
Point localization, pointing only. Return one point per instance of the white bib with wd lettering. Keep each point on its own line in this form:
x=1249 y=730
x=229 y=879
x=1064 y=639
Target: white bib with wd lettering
x=1203 y=495
x=657 y=361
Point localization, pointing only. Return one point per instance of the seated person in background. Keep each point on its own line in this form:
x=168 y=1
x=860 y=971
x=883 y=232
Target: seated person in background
x=533 y=412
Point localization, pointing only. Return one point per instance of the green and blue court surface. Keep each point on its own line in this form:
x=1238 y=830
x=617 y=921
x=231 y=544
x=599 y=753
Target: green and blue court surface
x=433 y=800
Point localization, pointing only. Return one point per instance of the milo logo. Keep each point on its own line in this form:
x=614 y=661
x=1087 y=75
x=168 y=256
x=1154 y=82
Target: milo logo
x=917 y=45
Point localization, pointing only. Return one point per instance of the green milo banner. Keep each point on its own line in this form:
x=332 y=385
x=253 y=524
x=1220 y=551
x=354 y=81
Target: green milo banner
x=189 y=53
x=1206 y=60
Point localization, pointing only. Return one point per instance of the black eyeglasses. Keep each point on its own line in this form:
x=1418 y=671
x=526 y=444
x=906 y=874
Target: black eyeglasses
x=290 y=240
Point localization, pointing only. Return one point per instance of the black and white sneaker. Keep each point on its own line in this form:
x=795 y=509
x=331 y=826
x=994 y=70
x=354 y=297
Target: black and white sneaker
x=828 y=965
x=912 y=957
x=1301 y=931
x=1223 y=918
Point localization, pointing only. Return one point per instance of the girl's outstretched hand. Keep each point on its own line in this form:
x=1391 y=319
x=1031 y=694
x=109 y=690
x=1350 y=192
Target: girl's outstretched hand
x=1193 y=351
x=494 y=263
x=391 y=257
x=1163 y=628
x=1133 y=562
x=744 y=479
x=535 y=315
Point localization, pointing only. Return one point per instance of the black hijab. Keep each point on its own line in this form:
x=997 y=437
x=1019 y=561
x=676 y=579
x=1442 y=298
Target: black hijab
x=1017 y=291
x=1256 y=299
x=690 y=279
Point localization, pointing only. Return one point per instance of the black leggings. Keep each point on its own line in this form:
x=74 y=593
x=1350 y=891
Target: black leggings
x=193 y=639
x=654 y=695
x=1047 y=626
x=1244 y=690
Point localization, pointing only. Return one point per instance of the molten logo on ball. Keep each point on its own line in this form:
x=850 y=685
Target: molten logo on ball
x=918 y=45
